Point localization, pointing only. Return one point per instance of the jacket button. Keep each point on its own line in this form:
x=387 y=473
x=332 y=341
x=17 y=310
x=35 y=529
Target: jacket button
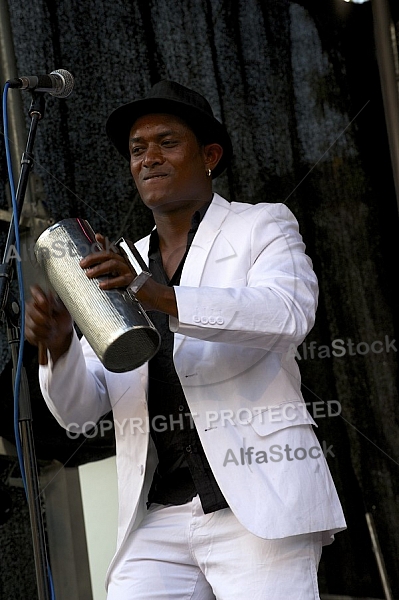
x=220 y=320
x=188 y=449
x=196 y=319
x=212 y=320
x=204 y=320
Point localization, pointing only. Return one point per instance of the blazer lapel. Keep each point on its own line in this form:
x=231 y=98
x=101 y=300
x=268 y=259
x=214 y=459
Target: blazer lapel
x=208 y=231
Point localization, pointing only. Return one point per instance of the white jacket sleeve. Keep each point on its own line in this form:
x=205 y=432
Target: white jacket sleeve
x=273 y=306
x=74 y=389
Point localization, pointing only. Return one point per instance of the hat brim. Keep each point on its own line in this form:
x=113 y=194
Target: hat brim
x=207 y=128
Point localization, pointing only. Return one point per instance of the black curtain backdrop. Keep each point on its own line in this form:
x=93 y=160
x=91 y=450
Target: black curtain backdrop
x=297 y=85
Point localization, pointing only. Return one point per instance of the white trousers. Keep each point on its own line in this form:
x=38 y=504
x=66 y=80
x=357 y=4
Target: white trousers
x=179 y=553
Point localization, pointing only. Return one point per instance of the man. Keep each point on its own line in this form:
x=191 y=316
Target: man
x=226 y=492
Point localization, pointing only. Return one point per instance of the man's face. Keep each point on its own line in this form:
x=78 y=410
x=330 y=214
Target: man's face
x=167 y=162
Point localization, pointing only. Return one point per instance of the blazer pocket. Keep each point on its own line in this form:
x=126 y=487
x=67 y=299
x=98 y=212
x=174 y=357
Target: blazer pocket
x=281 y=416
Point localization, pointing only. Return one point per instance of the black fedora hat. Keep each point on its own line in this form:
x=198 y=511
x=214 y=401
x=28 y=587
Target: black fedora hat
x=171 y=98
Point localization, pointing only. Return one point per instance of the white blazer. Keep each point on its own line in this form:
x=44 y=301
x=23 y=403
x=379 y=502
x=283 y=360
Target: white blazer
x=247 y=297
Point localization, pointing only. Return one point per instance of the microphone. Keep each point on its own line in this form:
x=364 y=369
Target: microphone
x=58 y=83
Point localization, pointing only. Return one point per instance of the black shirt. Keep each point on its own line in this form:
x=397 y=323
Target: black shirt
x=183 y=470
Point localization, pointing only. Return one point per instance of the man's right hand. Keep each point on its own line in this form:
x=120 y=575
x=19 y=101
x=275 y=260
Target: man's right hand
x=48 y=324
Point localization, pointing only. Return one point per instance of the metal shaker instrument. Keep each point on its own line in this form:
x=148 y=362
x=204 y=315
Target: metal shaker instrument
x=113 y=321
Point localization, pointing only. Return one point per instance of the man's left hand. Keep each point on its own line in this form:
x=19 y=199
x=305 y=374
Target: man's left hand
x=110 y=264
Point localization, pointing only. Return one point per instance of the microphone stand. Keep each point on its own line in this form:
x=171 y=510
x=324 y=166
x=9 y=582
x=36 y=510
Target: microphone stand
x=10 y=312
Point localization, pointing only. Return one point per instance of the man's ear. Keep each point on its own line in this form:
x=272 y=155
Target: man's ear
x=213 y=153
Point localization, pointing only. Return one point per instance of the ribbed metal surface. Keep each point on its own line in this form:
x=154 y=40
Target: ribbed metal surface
x=114 y=324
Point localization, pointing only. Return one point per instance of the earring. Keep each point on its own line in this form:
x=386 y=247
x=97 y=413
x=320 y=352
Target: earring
x=209 y=172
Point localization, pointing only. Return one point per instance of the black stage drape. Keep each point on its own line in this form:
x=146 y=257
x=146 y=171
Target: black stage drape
x=297 y=85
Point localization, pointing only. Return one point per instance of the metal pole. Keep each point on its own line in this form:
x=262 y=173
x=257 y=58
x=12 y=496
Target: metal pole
x=379 y=557
x=386 y=65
